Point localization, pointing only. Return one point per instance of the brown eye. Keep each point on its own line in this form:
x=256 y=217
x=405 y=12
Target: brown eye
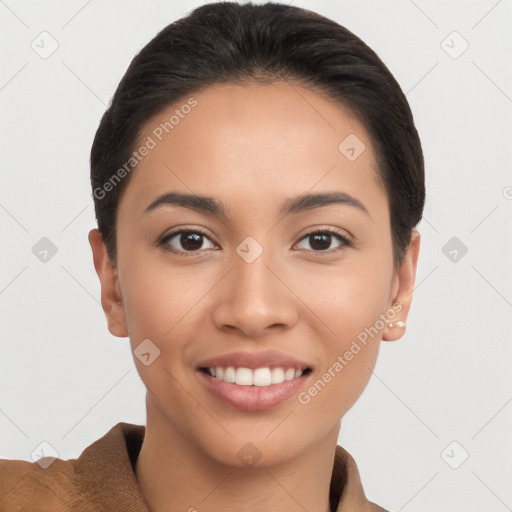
x=184 y=241
x=320 y=241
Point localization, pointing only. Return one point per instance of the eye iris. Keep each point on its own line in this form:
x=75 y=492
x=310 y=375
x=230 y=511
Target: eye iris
x=192 y=241
x=324 y=237
x=187 y=236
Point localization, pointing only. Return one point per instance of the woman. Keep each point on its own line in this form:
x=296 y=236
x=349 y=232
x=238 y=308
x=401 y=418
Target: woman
x=257 y=181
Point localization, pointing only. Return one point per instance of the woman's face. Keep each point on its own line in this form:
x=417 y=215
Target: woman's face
x=311 y=282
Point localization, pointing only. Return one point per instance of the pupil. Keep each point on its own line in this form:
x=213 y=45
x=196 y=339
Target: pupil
x=324 y=238
x=185 y=241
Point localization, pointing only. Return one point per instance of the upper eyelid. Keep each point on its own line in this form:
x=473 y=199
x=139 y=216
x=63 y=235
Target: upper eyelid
x=314 y=229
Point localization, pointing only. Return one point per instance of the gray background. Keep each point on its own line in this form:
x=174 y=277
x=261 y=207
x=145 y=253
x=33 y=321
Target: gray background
x=65 y=380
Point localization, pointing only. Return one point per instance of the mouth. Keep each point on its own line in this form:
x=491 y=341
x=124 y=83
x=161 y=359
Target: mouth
x=256 y=389
x=264 y=376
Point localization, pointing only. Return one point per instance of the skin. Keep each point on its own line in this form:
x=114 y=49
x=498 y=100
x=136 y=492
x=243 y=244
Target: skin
x=251 y=147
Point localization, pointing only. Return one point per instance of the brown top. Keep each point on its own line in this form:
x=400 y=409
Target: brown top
x=103 y=479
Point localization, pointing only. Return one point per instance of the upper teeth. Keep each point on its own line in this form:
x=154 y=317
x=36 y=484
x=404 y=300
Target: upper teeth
x=257 y=377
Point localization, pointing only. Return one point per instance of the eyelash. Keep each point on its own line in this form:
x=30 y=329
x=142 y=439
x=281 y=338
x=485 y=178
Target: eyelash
x=163 y=241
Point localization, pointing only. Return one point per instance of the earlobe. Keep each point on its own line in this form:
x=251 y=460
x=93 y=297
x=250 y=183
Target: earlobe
x=406 y=278
x=111 y=299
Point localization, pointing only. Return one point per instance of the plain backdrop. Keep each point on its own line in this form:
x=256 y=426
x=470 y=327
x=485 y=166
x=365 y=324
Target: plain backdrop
x=433 y=429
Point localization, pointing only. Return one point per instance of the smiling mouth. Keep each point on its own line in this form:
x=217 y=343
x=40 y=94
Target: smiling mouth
x=264 y=376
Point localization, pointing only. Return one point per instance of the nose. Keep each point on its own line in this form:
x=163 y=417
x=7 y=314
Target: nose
x=255 y=297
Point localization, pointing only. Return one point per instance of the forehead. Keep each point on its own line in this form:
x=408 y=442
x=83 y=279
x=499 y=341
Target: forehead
x=243 y=142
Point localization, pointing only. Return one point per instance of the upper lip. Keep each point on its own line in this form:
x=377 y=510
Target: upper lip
x=266 y=358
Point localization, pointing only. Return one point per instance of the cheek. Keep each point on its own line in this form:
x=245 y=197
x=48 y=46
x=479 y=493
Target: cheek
x=352 y=367
x=347 y=362
x=338 y=383
x=346 y=300
x=158 y=297
x=350 y=304
x=156 y=311
x=164 y=305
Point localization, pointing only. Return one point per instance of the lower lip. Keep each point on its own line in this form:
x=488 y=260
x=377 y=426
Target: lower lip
x=252 y=398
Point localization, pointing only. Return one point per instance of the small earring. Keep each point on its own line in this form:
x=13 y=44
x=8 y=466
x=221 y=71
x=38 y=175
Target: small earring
x=397 y=324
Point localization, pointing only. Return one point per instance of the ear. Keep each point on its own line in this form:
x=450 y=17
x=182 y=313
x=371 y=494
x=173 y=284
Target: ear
x=111 y=300
x=403 y=288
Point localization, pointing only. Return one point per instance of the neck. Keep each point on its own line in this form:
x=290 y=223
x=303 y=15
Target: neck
x=176 y=475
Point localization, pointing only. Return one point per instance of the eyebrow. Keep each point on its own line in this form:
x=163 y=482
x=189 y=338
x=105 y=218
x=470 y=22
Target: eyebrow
x=294 y=205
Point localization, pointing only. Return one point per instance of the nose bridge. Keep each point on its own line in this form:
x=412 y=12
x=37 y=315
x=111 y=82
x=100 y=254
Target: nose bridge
x=254 y=297
x=253 y=281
